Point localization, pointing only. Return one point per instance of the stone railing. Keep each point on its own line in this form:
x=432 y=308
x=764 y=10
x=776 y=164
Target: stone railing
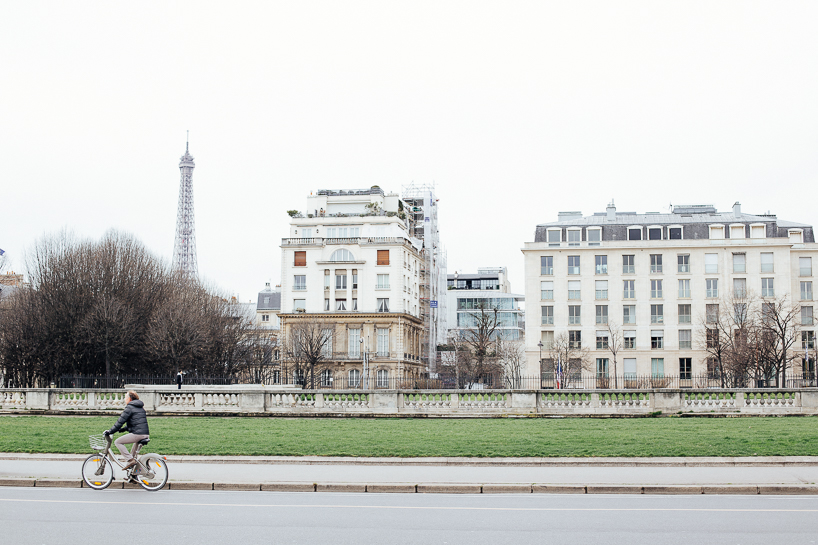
x=456 y=403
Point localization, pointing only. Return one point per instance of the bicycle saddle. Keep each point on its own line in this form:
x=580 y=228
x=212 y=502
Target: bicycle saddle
x=144 y=441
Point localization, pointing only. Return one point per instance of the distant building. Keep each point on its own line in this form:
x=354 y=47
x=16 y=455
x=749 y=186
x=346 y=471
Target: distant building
x=351 y=264
x=268 y=307
x=470 y=294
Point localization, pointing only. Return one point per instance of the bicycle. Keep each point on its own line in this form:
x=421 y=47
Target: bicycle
x=150 y=471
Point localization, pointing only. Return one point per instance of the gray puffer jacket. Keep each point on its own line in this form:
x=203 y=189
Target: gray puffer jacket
x=135 y=418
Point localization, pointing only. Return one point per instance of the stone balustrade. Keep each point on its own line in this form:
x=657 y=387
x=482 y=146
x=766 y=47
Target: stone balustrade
x=251 y=399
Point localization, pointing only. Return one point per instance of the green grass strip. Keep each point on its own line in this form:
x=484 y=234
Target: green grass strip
x=397 y=437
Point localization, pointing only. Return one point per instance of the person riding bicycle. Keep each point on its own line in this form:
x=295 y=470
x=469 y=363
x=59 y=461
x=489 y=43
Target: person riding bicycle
x=137 y=427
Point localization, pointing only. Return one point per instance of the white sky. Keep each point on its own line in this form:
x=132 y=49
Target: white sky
x=515 y=110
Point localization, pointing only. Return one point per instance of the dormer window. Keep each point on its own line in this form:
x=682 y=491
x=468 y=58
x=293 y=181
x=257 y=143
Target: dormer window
x=574 y=237
x=654 y=233
x=717 y=232
x=594 y=235
x=758 y=230
x=635 y=233
x=674 y=232
x=554 y=237
x=736 y=231
x=796 y=236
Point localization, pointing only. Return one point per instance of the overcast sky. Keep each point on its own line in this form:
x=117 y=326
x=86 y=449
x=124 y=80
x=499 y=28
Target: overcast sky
x=514 y=110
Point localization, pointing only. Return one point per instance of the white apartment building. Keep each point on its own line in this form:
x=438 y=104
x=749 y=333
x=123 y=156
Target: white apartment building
x=350 y=262
x=489 y=289
x=656 y=276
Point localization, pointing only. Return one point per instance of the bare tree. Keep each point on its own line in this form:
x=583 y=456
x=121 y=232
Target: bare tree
x=565 y=360
x=480 y=340
x=304 y=348
x=779 y=326
x=511 y=358
x=614 y=346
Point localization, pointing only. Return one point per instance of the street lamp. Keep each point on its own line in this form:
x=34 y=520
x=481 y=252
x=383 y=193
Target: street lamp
x=539 y=344
x=365 y=384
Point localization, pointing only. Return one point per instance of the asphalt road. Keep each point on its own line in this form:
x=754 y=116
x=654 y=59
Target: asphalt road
x=82 y=516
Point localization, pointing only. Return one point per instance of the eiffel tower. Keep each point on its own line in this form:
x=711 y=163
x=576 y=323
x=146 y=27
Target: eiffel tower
x=184 y=246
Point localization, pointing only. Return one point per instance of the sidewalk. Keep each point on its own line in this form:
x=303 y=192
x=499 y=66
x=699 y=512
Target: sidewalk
x=788 y=475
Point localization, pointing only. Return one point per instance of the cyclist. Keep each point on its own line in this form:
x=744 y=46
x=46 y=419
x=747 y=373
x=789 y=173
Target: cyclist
x=137 y=427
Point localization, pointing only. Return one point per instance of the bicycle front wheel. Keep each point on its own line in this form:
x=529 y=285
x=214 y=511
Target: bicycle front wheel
x=97 y=472
x=157 y=474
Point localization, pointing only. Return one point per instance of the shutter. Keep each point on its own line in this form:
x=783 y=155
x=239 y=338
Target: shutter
x=383 y=257
x=300 y=259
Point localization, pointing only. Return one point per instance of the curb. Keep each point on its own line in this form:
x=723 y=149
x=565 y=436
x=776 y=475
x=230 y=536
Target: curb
x=445 y=488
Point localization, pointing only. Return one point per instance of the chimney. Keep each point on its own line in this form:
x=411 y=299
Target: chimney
x=737 y=209
x=611 y=211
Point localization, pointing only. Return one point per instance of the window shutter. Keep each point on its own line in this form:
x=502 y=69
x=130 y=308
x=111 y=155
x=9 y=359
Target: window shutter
x=300 y=259
x=383 y=257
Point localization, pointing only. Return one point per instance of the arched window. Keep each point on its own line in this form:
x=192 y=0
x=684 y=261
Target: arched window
x=342 y=255
x=383 y=378
x=354 y=378
x=326 y=378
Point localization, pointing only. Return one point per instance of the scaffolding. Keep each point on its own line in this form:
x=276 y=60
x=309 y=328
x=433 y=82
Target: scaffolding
x=423 y=225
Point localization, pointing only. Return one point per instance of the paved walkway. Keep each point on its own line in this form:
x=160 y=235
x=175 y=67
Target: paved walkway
x=798 y=471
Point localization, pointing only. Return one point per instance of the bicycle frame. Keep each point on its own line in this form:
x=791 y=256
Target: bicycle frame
x=110 y=457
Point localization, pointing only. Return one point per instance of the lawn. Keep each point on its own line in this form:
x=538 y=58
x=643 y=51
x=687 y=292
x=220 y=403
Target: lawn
x=432 y=437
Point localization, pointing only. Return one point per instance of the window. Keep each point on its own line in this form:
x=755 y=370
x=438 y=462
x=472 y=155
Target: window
x=628 y=266
x=739 y=263
x=300 y=259
x=737 y=231
x=657 y=339
x=265 y=317
x=601 y=340
x=354 y=345
x=354 y=279
x=684 y=288
x=712 y=287
x=657 y=367
x=685 y=368
x=758 y=231
x=575 y=339
x=807 y=340
x=635 y=233
x=629 y=314
x=684 y=314
x=630 y=368
x=739 y=287
x=675 y=233
x=299 y=305
x=574 y=314
x=806 y=291
x=326 y=378
x=796 y=236
x=326 y=304
x=711 y=263
x=601 y=264
x=805 y=266
x=601 y=289
x=630 y=290
x=300 y=282
x=806 y=316
x=594 y=236
x=740 y=312
x=547 y=315
x=712 y=337
x=547 y=339
x=717 y=231
x=630 y=339
x=342 y=255
x=326 y=350
x=683 y=263
x=655 y=263
x=383 y=282
x=354 y=304
x=574 y=289
x=383 y=342
x=657 y=314
x=383 y=257
x=383 y=378
x=711 y=314
x=767 y=287
x=383 y=304
x=341 y=281
x=546 y=264
x=555 y=236
x=354 y=378
x=655 y=233
x=685 y=339
x=326 y=279
x=573 y=264
x=602 y=314
x=574 y=236
x=340 y=304
x=547 y=290
x=767 y=313
x=766 y=262
x=602 y=364
x=655 y=289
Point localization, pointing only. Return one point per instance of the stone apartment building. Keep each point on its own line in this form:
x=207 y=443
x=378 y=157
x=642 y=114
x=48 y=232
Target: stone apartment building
x=350 y=264
x=657 y=276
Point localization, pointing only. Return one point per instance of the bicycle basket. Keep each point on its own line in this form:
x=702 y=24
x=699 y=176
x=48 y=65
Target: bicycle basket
x=98 y=442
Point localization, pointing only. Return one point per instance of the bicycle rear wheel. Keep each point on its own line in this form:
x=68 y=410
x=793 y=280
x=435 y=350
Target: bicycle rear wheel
x=97 y=472
x=157 y=474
